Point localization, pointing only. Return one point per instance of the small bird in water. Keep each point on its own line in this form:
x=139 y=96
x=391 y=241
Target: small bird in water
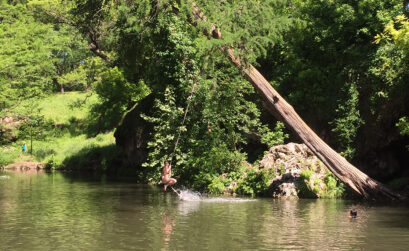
x=353 y=213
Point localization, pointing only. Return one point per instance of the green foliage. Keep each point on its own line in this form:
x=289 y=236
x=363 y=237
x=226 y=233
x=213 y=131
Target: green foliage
x=216 y=186
x=167 y=117
x=219 y=118
x=256 y=182
x=312 y=185
x=27 y=70
x=272 y=138
x=304 y=187
x=74 y=80
x=390 y=96
x=116 y=95
x=347 y=122
x=403 y=125
x=333 y=187
x=64 y=108
x=9 y=155
x=60 y=150
x=36 y=57
x=249 y=26
x=348 y=89
x=399 y=183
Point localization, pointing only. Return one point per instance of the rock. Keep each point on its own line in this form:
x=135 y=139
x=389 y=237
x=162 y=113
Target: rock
x=9 y=121
x=7 y=148
x=298 y=172
x=25 y=165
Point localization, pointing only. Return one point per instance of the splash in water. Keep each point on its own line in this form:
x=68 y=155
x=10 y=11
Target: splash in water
x=187 y=195
x=4 y=177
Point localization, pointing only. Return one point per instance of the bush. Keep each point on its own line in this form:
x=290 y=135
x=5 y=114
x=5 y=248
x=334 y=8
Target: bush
x=216 y=186
x=8 y=156
x=311 y=186
x=256 y=182
x=304 y=188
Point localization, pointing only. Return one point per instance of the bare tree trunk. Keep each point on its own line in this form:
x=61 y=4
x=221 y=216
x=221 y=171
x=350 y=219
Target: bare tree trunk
x=31 y=139
x=356 y=180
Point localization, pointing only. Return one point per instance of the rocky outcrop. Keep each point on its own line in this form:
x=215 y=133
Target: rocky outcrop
x=298 y=173
x=7 y=129
x=133 y=134
x=9 y=121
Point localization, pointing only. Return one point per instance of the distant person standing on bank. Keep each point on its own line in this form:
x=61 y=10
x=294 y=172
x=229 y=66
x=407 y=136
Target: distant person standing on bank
x=24 y=148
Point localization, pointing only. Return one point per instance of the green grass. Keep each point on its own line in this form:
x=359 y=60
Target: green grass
x=61 y=108
x=58 y=149
x=63 y=144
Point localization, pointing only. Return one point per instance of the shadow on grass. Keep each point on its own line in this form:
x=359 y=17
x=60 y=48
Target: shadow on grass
x=74 y=127
x=42 y=153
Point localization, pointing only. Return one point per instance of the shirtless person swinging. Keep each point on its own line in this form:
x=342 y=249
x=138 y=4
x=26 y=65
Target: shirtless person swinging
x=166 y=173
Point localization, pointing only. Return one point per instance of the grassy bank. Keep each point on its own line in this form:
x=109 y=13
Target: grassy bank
x=66 y=131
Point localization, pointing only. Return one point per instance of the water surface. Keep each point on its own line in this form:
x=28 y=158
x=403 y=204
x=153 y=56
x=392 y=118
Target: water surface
x=59 y=212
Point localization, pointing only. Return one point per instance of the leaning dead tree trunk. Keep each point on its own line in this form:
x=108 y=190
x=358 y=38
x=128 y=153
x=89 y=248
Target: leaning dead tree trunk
x=356 y=180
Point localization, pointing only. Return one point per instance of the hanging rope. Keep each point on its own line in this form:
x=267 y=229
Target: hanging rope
x=183 y=122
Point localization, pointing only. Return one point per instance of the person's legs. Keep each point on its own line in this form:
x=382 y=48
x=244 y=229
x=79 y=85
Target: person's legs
x=165 y=182
x=168 y=182
x=172 y=181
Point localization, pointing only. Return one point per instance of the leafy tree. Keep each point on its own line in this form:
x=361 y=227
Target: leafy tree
x=27 y=70
x=116 y=96
x=390 y=97
x=323 y=67
x=34 y=55
x=34 y=126
x=221 y=116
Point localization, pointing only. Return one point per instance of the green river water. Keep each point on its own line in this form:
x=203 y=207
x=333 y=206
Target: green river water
x=56 y=211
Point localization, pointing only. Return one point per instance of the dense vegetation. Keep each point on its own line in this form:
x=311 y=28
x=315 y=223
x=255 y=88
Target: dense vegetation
x=341 y=64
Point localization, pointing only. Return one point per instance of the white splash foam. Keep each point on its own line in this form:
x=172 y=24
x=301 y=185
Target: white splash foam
x=4 y=177
x=187 y=195
x=221 y=199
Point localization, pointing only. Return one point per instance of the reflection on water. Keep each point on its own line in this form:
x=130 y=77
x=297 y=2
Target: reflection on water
x=168 y=222
x=59 y=212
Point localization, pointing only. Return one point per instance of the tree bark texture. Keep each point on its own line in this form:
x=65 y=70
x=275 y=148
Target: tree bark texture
x=356 y=180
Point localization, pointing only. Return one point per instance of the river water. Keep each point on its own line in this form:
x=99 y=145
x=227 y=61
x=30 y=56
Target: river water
x=55 y=211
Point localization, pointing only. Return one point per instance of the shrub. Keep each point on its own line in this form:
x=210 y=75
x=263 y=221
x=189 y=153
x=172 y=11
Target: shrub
x=256 y=182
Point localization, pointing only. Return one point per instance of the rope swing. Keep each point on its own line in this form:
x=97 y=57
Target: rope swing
x=183 y=122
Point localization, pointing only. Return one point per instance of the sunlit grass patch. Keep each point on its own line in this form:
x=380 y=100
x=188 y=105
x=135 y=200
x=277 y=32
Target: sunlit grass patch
x=56 y=150
x=61 y=108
